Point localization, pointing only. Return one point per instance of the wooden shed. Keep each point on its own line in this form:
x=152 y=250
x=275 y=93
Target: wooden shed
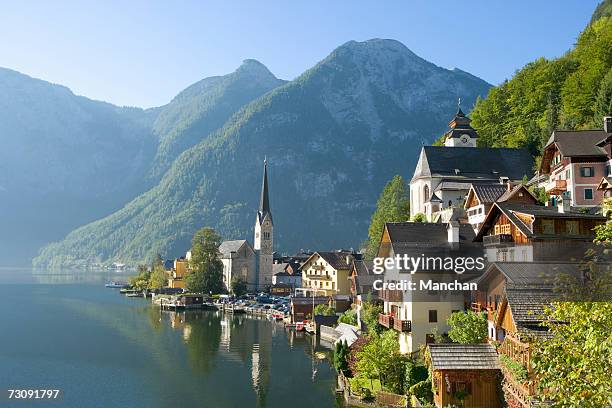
x=466 y=375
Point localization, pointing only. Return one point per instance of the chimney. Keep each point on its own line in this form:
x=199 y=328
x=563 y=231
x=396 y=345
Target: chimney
x=348 y=259
x=608 y=124
x=453 y=232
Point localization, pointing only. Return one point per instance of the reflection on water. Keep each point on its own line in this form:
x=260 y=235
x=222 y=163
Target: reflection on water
x=104 y=349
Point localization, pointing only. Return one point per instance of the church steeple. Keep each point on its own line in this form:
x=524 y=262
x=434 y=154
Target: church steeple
x=264 y=201
x=461 y=133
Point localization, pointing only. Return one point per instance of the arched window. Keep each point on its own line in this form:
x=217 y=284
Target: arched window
x=426 y=193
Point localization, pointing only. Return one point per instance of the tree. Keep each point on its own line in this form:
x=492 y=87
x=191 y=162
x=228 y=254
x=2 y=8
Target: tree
x=369 y=315
x=341 y=354
x=140 y=281
x=206 y=269
x=158 y=278
x=324 y=310
x=603 y=233
x=376 y=358
x=239 y=286
x=467 y=327
x=393 y=205
x=348 y=317
x=419 y=217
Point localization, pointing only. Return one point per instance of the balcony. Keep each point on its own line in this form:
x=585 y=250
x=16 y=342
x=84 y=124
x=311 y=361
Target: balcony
x=402 y=326
x=556 y=187
x=390 y=295
x=386 y=320
x=497 y=240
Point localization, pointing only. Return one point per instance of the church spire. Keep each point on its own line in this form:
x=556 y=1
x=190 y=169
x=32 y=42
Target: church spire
x=264 y=202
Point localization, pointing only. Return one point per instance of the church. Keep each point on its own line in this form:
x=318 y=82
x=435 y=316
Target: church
x=252 y=263
x=444 y=174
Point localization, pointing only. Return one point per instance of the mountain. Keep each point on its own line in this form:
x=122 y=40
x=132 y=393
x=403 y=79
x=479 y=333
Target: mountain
x=573 y=91
x=65 y=160
x=68 y=160
x=205 y=106
x=333 y=137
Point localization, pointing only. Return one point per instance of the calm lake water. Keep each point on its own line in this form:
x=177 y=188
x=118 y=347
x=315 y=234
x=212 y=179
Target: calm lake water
x=69 y=332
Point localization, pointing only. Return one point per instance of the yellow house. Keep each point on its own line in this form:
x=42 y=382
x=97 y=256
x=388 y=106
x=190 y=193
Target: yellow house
x=327 y=273
x=177 y=274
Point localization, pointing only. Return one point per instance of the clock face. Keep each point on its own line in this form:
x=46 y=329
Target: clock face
x=464 y=138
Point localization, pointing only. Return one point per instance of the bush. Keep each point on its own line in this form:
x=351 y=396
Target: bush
x=518 y=371
x=349 y=317
x=324 y=310
x=422 y=391
x=419 y=217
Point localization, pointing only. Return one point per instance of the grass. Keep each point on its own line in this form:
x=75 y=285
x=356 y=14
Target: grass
x=357 y=383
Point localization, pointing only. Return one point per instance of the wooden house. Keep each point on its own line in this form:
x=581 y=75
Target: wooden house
x=362 y=282
x=465 y=375
x=518 y=232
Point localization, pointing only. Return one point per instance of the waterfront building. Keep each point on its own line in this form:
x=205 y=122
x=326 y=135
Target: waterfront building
x=327 y=273
x=421 y=313
x=176 y=278
x=264 y=236
x=239 y=261
x=444 y=174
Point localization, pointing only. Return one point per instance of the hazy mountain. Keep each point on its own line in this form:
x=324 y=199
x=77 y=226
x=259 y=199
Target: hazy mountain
x=68 y=160
x=333 y=138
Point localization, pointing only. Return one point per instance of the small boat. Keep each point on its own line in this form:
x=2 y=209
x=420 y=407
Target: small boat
x=135 y=294
x=116 y=284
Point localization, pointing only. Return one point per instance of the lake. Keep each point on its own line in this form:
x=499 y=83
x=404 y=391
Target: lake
x=69 y=332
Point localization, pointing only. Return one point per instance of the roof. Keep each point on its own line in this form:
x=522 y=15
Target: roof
x=364 y=278
x=279 y=268
x=409 y=236
x=511 y=193
x=531 y=274
x=488 y=193
x=510 y=210
x=605 y=183
x=572 y=143
x=463 y=357
x=473 y=163
x=227 y=247
x=264 y=201
x=336 y=260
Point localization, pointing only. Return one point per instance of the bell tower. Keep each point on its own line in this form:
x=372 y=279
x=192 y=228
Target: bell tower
x=264 y=237
x=461 y=133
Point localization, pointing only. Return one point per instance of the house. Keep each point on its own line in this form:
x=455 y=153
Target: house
x=515 y=231
x=418 y=314
x=239 y=261
x=575 y=162
x=176 y=275
x=286 y=274
x=481 y=197
x=605 y=184
x=302 y=308
x=327 y=273
x=444 y=174
x=362 y=282
x=465 y=375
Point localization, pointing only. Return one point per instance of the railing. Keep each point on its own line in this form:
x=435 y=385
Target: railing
x=402 y=326
x=517 y=351
x=556 y=187
x=388 y=295
x=385 y=320
x=498 y=239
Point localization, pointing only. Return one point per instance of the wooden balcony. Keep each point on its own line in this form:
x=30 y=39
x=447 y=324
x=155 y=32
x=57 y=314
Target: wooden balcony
x=556 y=187
x=497 y=240
x=390 y=295
x=517 y=351
x=521 y=391
x=386 y=320
x=402 y=326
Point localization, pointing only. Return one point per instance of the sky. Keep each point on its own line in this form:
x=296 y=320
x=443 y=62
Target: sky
x=142 y=53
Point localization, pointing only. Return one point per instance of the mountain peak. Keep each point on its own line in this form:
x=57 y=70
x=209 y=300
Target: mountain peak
x=254 y=67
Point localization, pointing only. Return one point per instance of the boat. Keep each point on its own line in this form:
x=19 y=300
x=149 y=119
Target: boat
x=134 y=294
x=117 y=284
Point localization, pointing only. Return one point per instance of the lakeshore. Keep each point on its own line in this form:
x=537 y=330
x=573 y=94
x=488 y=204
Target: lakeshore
x=71 y=333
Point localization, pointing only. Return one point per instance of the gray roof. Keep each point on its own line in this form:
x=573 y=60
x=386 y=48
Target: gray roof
x=572 y=143
x=473 y=163
x=227 y=247
x=533 y=274
x=508 y=194
x=488 y=193
x=406 y=237
x=337 y=260
x=463 y=357
x=364 y=279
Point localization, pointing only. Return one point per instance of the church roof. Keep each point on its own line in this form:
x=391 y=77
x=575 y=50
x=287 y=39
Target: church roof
x=227 y=247
x=264 y=201
x=473 y=163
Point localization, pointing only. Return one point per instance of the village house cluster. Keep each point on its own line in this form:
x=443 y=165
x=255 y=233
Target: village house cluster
x=479 y=203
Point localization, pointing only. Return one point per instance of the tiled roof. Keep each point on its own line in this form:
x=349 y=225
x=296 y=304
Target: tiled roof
x=508 y=194
x=572 y=143
x=488 y=193
x=228 y=247
x=533 y=274
x=337 y=260
x=463 y=357
x=474 y=163
x=527 y=305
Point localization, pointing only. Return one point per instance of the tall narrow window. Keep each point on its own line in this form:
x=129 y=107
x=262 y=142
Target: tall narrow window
x=433 y=316
x=426 y=193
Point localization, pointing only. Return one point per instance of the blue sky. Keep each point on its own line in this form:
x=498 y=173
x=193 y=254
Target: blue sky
x=142 y=53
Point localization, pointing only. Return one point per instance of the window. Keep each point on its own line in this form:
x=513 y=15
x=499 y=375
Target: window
x=433 y=316
x=430 y=339
x=608 y=170
x=588 y=193
x=426 y=192
x=572 y=227
x=548 y=226
x=567 y=174
x=587 y=171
